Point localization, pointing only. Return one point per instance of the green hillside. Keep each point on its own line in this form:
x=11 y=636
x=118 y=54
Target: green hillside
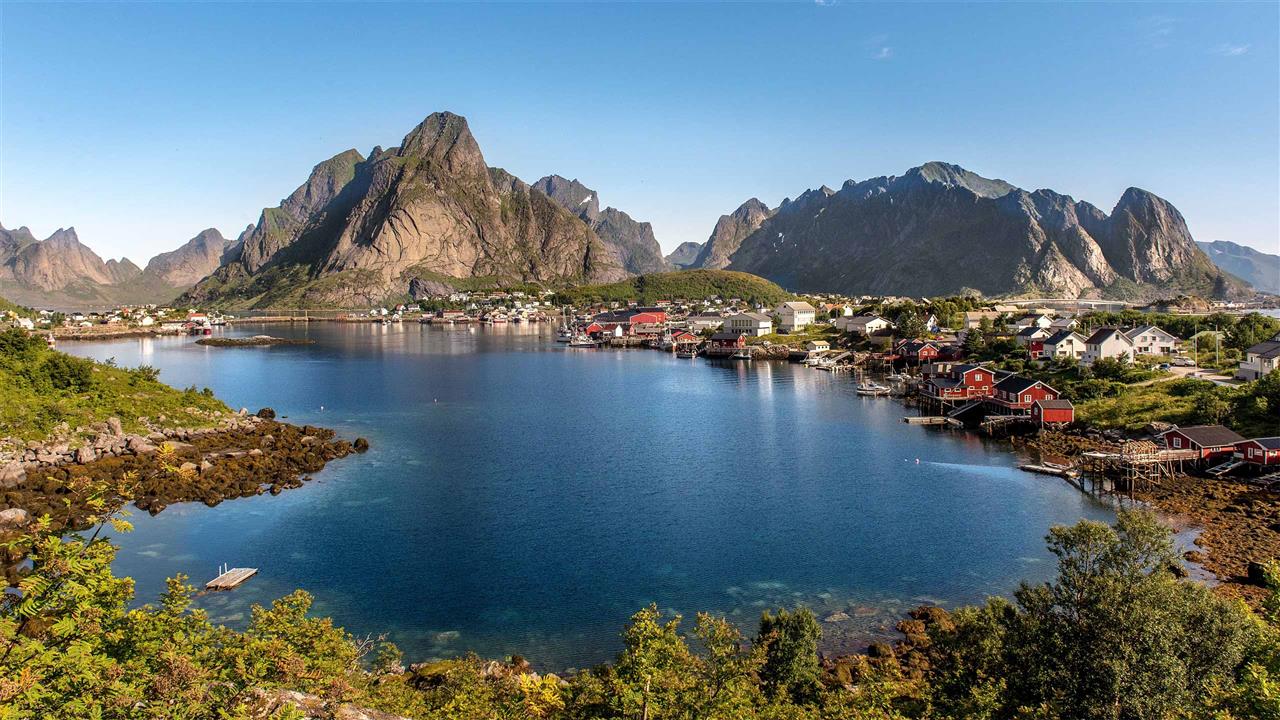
x=681 y=285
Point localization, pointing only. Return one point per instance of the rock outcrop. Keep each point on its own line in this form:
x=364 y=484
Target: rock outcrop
x=940 y=229
x=362 y=229
x=631 y=242
x=191 y=262
x=58 y=262
x=729 y=233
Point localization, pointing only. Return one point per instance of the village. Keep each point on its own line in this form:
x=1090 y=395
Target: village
x=994 y=367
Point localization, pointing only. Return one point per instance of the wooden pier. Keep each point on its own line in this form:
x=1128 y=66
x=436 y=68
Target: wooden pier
x=230 y=578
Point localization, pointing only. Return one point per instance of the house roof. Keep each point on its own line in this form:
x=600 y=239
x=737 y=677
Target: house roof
x=1016 y=384
x=1031 y=331
x=1265 y=349
x=801 y=306
x=864 y=319
x=1208 y=435
x=1145 y=329
x=758 y=317
x=1101 y=335
x=1055 y=404
x=1062 y=336
x=727 y=335
x=1270 y=443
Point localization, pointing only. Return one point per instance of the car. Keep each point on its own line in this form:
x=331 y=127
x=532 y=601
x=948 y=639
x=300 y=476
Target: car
x=1164 y=366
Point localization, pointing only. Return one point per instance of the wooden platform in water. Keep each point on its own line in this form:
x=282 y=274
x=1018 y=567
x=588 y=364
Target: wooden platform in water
x=925 y=420
x=231 y=578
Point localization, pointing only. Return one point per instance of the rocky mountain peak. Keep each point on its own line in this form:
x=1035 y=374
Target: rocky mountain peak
x=445 y=140
x=955 y=176
x=572 y=195
x=729 y=232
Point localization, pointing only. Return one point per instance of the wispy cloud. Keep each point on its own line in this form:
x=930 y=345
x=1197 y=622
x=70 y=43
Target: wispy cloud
x=824 y=3
x=1231 y=49
x=878 y=47
x=1157 y=30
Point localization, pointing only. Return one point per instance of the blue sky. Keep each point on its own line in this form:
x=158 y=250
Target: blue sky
x=141 y=124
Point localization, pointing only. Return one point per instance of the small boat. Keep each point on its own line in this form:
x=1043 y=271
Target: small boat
x=743 y=354
x=581 y=341
x=564 y=335
x=871 y=388
x=687 y=353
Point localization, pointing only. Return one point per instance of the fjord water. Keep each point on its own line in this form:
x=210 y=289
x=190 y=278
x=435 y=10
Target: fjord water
x=524 y=497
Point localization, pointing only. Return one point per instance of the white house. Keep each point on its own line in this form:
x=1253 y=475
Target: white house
x=1261 y=359
x=1063 y=323
x=705 y=321
x=1107 y=343
x=24 y=323
x=1064 y=344
x=1151 y=340
x=862 y=324
x=974 y=318
x=1029 y=334
x=794 y=316
x=749 y=323
x=1040 y=321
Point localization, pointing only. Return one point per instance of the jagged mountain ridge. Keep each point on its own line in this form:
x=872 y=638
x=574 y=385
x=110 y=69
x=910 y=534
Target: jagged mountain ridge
x=363 y=229
x=1259 y=269
x=631 y=241
x=192 y=261
x=940 y=229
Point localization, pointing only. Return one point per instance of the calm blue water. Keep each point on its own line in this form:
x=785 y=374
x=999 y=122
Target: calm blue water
x=524 y=497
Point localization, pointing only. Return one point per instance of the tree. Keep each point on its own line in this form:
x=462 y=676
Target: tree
x=909 y=324
x=1251 y=330
x=1210 y=407
x=790 y=644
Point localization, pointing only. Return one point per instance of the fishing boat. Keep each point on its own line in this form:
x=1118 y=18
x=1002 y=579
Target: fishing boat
x=580 y=341
x=687 y=352
x=564 y=334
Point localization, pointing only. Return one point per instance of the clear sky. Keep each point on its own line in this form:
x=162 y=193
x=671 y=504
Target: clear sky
x=141 y=124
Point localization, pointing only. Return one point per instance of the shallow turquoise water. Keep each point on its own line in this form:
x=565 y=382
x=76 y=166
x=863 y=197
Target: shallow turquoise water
x=524 y=497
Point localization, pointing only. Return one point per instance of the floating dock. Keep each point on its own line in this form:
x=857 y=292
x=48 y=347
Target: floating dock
x=1057 y=470
x=230 y=578
x=925 y=420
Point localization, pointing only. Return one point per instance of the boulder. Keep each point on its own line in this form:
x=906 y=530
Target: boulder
x=85 y=455
x=114 y=427
x=267 y=413
x=14 y=517
x=139 y=445
x=1257 y=574
x=360 y=445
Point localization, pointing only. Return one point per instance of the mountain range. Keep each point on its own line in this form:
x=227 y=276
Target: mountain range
x=940 y=229
x=430 y=215
x=1259 y=269
x=62 y=271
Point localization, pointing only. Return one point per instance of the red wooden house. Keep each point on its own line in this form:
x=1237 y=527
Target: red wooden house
x=1210 y=442
x=1016 y=394
x=958 y=383
x=917 y=351
x=1260 y=451
x=1053 y=412
x=726 y=343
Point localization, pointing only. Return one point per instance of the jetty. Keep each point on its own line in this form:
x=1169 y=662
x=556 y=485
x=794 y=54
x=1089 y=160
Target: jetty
x=229 y=578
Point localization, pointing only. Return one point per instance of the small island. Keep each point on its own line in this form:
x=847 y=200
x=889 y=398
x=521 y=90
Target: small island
x=255 y=341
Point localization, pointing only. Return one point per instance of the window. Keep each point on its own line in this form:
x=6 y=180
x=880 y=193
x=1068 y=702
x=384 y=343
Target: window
x=1177 y=442
x=1026 y=398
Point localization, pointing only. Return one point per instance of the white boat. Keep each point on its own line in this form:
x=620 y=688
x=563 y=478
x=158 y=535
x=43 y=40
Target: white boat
x=687 y=353
x=581 y=341
x=871 y=388
x=564 y=335
x=743 y=354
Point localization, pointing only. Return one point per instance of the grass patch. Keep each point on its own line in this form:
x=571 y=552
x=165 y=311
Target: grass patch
x=41 y=388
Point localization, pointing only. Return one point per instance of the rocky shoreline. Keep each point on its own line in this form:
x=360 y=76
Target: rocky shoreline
x=242 y=455
x=253 y=341
x=1239 y=523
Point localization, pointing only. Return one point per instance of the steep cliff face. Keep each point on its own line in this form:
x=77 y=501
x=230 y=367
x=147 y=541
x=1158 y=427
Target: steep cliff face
x=192 y=261
x=1259 y=269
x=360 y=230
x=630 y=241
x=685 y=255
x=729 y=232
x=941 y=229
